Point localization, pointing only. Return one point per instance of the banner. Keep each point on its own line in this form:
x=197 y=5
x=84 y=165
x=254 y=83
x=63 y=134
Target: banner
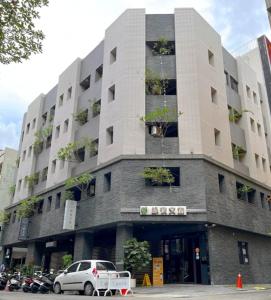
x=69 y=215
x=158 y=272
x=163 y=210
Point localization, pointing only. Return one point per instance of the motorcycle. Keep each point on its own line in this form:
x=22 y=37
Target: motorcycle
x=3 y=280
x=26 y=285
x=14 y=282
x=35 y=285
x=47 y=283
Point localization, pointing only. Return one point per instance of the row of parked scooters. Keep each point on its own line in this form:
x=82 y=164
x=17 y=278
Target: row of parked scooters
x=39 y=283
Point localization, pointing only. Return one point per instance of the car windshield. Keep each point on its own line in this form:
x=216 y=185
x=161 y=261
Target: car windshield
x=105 y=266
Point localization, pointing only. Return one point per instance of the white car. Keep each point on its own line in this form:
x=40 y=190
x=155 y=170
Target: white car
x=82 y=275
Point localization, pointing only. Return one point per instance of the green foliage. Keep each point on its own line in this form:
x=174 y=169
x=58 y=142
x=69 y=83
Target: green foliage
x=136 y=255
x=12 y=190
x=235 y=116
x=96 y=108
x=40 y=136
x=18 y=36
x=4 y=216
x=27 y=270
x=238 y=152
x=162 y=47
x=32 y=180
x=160 y=115
x=68 y=195
x=244 y=189
x=66 y=260
x=26 y=207
x=81 y=182
x=154 y=85
x=81 y=116
x=158 y=175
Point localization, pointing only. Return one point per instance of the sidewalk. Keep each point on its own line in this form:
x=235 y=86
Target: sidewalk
x=188 y=290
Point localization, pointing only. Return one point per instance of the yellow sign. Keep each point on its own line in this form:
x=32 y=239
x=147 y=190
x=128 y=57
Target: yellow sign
x=158 y=272
x=146 y=280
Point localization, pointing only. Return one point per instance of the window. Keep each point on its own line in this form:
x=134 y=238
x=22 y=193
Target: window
x=259 y=128
x=54 y=166
x=239 y=191
x=113 y=55
x=61 y=98
x=44 y=174
x=170 y=88
x=92 y=188
x=85 y=84
x=211 y=58
x=52 y=113
x=57 y=131
x=29 y=151
x=264 y=164
x=80 y=154
x=269 y=205
x=213 y=95
x=262 y=197
x=252 y=124
x=44 y=119
x=58 y=200
x=255 y=98
x=107 y=182
x=221 y=183
x=34 y=123
x=40 y=206
x=84 y=266
x=226 y=77
x=27 y=128
x=243 y=253
x=25 y=181
x=14 y=216
x=248 y=91
x=109 y=135
x=24 y=154
x=19 y=184
x=251 y=196
x=49 y=203
x=69 y=93
x=174 y=171
x=73 y=268
x=99 y=73
x=66 y=125
x=94 y=148
x=96 y=108
x=105 y=266
x=111 y=93
x=48 y=141
x=234 y=84
x=22 y=138
x=217 y=137
x=257 y=160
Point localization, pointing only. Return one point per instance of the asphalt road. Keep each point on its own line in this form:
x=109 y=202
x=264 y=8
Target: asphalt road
x=240 y=295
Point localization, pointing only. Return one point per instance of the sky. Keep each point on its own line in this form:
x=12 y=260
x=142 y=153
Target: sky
x=74 y=27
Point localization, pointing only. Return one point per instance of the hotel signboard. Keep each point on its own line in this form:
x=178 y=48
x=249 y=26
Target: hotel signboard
x=163 y=211
x=69 y=215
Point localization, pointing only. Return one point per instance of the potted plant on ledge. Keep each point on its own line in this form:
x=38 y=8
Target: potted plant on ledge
x=136 y=257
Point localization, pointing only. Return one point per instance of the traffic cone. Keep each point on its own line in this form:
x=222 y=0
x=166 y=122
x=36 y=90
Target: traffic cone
x=239 y=281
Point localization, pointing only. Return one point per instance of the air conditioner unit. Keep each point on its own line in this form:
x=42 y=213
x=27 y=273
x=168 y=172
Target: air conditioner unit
x=156 y=131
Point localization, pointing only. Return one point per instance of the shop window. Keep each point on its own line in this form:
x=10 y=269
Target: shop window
x=58 y=200
x=49 y=203
x=211 y=58
x=107 y=182
x=174 y=171
x=99 y=73
x=262 y=197
x=40 y=206
x=234 y=84
x=109 y=135
x=221 y=183
x=243 y=253
x=85 y=84
x=113 y=55
x=214 y=95
x=111 y=93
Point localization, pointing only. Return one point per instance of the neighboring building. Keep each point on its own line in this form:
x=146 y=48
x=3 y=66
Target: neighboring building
x=217 y=151
x=268 y=6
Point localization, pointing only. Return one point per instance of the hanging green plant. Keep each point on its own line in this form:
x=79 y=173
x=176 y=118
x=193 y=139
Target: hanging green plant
x=32 y=180
x=238 y=152
x=41 y=136
x=96 y=108
x=12 y=190
x=27 y=207
x=4 y=217
x=158 y=176
x=154 y=85
x=163 y=47
x=68 y=195
x=81 y=117
x=81 y=182
x=235 y=116
x=244 y=189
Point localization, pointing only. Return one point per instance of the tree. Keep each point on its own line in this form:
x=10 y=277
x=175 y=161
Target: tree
x=18 y=36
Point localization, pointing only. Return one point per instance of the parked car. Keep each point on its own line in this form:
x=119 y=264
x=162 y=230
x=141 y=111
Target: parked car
x=82 y=275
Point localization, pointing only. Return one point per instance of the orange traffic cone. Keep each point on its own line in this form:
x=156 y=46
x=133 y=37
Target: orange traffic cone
x=239 y=281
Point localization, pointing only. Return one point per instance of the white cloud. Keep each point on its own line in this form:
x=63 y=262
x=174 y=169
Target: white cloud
x=9 y=136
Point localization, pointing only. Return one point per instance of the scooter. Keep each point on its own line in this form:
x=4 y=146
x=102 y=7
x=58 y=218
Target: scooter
x=3 y=280
x=14 y=282
x=26 y=285
x=47 y=283
x=35 y=285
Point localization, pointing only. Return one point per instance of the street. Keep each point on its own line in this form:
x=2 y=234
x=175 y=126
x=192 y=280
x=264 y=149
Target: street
x=237 y=295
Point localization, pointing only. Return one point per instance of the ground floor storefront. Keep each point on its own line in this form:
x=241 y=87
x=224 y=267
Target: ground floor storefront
x=191 y=253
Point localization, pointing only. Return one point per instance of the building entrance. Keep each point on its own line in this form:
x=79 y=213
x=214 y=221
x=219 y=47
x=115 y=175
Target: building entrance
x=182 y=259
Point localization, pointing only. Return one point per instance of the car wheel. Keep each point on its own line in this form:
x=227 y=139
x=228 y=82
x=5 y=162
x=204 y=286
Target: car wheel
x=88 y=289
x=57 y=288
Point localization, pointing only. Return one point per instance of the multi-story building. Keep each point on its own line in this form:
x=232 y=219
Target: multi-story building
x=268 y=6
x=213 y=219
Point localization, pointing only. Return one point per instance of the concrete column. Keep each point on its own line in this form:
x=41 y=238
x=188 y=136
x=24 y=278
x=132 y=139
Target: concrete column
x=124 y=232
x=83 y=246
x=34 y=253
